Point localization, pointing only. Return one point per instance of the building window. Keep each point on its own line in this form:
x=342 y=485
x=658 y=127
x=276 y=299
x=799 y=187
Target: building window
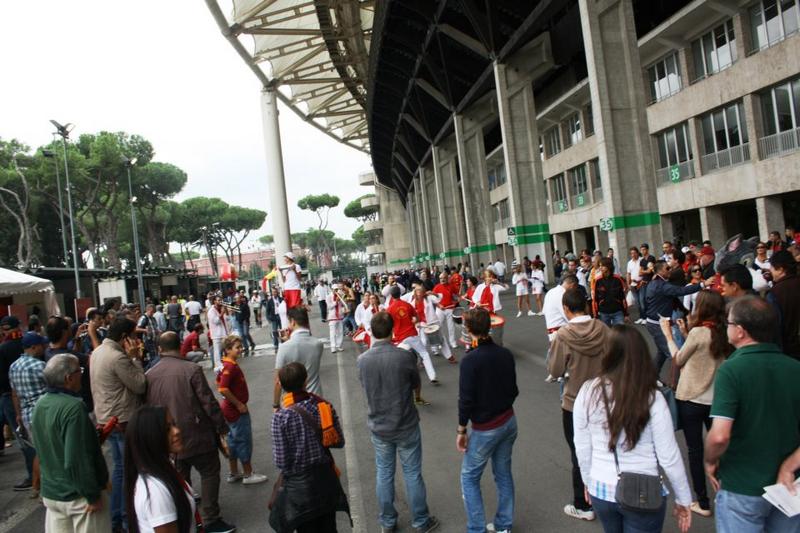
x=780 y=112
x=580 y=185
x=541 y=148
x=589 y=120
x=553 y=141
x=574 y=133
x=496 y=174
x=560 y=203
x=500 y=214
x=664 y=78
x=724 y=138
x=714 y=51
x=772 y=21
x=597 y=182
x=673 y=146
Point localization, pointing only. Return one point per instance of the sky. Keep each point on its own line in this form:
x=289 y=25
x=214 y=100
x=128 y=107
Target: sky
x=161 y=69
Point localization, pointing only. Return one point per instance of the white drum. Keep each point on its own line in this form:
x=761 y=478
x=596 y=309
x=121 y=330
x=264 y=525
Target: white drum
x=433 y=335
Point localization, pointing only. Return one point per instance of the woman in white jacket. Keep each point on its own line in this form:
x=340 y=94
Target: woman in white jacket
x=425 y=304
x=622 y=411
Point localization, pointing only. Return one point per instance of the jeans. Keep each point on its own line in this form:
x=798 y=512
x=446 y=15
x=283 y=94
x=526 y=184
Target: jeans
x=7 y=417
x=238 y=328
x=29 y=452
x=495 y=444
x=116 y=440
x=610 y=319
x=276 y=326
x=737 y=513
x=578 y=499
x=409 y=448
x=349 y=323
x=240 y=439
x=693 y=417
x=615 y=519
x=662 y=350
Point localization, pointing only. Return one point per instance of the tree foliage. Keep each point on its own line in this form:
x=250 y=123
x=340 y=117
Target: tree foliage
x=320 y=205
x=362 y=214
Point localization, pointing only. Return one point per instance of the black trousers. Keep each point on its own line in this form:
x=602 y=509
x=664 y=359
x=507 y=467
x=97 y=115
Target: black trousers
x=323 y=524
x=323 y=309
x=693 y=417
x=577 y=481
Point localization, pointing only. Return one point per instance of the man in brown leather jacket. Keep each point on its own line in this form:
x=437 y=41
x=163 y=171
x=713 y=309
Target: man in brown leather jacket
x=179 y=385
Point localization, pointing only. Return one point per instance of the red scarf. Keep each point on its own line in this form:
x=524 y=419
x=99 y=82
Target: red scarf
x=420 y=307
x=487 y=298
x=710 y=324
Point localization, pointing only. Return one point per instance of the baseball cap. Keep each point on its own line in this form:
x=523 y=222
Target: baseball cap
x=31 y=339
x=10 y=322
x=290 y=255
x=706 y=250
x=514 y=263
x=645 y=245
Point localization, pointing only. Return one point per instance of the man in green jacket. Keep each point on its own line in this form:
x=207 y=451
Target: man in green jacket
x=74 y=472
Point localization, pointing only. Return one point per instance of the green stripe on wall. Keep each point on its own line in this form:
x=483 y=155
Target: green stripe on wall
x=638 y=220
x=533 y=239
x=533 y=228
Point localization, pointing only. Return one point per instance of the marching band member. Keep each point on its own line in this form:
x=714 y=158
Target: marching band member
x=363 y=315
x=387 y=290
x=448 y=300
x=290 y=273
x=337 y=310
x=425 y=304
x=456 y=281
x=405 y=332
x=487 y=295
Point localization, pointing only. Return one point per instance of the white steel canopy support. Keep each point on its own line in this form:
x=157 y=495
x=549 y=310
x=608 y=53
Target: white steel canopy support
x=279 y=210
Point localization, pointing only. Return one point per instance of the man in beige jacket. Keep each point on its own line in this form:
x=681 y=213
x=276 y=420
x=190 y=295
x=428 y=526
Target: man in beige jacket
x=118 y=387
x=577 y=354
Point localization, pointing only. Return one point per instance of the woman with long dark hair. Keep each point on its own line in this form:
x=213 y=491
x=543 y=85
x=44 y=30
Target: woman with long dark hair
x=623 y=424
x=704 y=350
x=157 y=498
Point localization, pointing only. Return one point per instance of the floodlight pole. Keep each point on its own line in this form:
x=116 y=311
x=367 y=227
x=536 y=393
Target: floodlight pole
x=49 y=154
x=128 y=164
x=63 y=131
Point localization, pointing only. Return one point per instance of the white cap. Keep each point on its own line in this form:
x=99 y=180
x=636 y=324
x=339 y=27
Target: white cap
x=685 y=249
x=290 y=255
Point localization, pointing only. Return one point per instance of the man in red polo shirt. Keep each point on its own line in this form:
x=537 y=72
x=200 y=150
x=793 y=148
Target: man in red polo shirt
x=444 y=309
x=456 y=282
x=190 y=347
x=404 y=332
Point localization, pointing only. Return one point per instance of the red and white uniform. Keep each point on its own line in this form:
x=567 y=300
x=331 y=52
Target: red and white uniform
x=336 y=314
x=404 y=332
x=363 y=317
x=488 y=297
x=455 y=283
x=291 y=285
x=444 y=311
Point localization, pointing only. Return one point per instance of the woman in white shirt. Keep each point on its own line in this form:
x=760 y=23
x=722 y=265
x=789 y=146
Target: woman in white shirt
x=622 y=411
x=537 y=286
x=158 y=500
x=487 y=295
x=520 y=281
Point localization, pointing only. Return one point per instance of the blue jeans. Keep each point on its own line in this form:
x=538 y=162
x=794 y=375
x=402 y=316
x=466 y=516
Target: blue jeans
x=238 y=328
x=640 y=299
x=240 y=439
x=610 y=319
x=615 y=519
x=117 y=443
x=495 y=444
x=409 y=448
x=662 y=350
x=737 y=513
x=7 y=417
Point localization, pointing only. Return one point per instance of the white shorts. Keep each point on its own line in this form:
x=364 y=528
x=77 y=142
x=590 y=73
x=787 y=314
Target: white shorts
x=522 y=290
x=538 y=289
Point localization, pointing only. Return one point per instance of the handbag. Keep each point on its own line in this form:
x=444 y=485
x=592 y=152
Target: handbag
x=636 y=492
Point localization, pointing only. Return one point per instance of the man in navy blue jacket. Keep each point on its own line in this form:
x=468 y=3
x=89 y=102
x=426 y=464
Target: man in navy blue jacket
x=486 y=393
x=660 y=299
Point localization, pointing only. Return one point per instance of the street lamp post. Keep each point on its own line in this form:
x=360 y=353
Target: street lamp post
x=63 y=131
x=52 y=155
x=128 y=164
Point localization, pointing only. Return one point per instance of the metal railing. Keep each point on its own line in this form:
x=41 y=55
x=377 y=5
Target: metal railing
x=580 y=200
x=675 y=173
x=597 y=193
x=704 y=75
x=770 y=43
x=735 y=155
x=559 y=206
x=502 y=224
x=779 y=143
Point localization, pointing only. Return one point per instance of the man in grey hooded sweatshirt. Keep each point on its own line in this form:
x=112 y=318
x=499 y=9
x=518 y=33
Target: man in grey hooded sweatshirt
x=577 y=354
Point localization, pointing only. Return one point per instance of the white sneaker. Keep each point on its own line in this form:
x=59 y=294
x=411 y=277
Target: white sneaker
x=253 y=478
x=549 y=378
x=519 y=314
x=531 y=313
x=574 y=512
x=490 y=528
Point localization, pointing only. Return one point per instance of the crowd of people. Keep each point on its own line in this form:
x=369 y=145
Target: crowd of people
x=130 y=381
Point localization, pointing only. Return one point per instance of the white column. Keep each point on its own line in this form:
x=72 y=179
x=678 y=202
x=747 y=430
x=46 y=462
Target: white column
x=458 y=126
x=437 y=185
x=279 y=210
x=426 y=215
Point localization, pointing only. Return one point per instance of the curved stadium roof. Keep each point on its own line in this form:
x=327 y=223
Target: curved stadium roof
x=315 y=52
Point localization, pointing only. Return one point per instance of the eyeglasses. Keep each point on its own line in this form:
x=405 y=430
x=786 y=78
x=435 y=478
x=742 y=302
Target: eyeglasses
x=78 y=371
x=695 y=271
x=731 y=323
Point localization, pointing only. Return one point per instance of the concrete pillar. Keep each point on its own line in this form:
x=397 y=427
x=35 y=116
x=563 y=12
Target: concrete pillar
x=279 y=211
x=619 y=107
x=442 y=214
x=712 y=226
x=526 y=187
x=695 y=128
x=562 y=241
x=475 y=192
x=422 y=219
x=741 y=28
x=432 y=213
x=412 y=225
x=755 y=123
x=769 y=210
x=453 y=207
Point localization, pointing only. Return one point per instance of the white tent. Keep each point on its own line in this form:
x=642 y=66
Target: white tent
x=13 y=283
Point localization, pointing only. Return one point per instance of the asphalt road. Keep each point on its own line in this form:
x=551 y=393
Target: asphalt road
x=541 y=458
